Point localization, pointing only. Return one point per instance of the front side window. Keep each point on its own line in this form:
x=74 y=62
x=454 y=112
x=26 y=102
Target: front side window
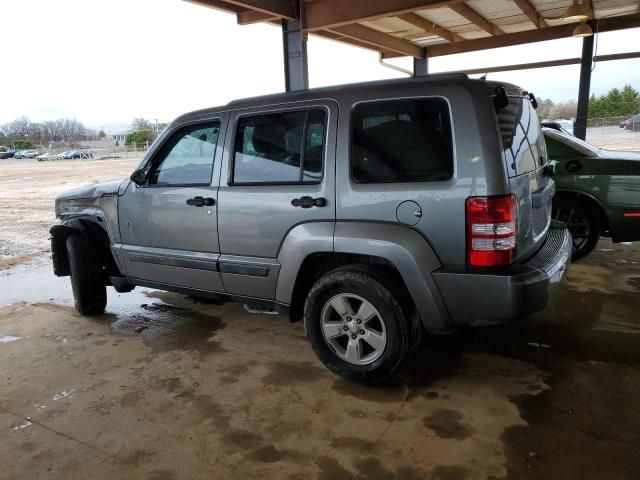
x=401 y=141
x=284 y=147
x=187 y=158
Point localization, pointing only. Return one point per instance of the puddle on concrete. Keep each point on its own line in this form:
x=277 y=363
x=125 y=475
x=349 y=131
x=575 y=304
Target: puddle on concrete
x=142 y=312
x=167 y=327
x=9 y=339
x=36 y=283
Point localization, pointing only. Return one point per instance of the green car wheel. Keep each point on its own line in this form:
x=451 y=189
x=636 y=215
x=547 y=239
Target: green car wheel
x=583 y=222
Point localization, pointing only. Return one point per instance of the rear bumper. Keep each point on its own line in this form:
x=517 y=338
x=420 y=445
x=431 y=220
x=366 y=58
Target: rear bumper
x=498 y=296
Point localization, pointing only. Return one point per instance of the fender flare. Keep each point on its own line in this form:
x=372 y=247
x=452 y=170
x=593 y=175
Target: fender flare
x=59 y=234
x=408 y=251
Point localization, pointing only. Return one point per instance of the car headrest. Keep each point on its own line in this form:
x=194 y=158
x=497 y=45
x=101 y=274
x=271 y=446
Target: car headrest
x=269 y=138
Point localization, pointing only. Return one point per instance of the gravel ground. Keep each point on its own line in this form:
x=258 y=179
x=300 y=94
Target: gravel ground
x=27 y=192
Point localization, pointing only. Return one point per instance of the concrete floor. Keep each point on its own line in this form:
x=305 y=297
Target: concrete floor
x=162 y=387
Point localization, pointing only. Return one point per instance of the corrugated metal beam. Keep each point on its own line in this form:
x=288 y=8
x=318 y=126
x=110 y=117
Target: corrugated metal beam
x=380 y=40
x=430 y=27
x=276 y=8
x=530 y=36
x=324 y=14
x=548 y=63
x=474 y=17
x=531 y=12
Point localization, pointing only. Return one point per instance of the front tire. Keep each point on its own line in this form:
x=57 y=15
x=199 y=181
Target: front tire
x=582 y=220
x=87 y=278
x=356 y=326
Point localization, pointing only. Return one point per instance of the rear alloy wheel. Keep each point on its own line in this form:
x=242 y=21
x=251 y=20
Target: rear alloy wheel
x=583 y=223
x=356 y=326
x=354 y=329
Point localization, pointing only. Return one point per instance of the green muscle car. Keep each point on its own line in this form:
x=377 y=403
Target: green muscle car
x=597 y=191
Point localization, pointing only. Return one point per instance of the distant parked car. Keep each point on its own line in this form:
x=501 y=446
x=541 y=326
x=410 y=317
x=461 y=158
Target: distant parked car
x=597 y=191
x=7 y=154
x=632 y=123
x=72 y=154
x=46 y=156
x=27 y=154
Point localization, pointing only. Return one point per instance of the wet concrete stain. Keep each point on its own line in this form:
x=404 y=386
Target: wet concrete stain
x=584 y=427
x=162 y=475
x=234 y=373
x=268 y=454
x=447 y=423
x=450 y=472
x=167 y=327
x=285 y=374
x=131 y=399
x=377 y=393
x=352 y=443
x=245 y=439
x=373 y=469
x=330 y=469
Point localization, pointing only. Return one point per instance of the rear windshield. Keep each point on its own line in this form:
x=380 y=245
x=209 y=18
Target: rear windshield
x=522 y=140
x=401 y=141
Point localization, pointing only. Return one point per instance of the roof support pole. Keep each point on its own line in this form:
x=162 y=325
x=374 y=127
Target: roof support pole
x=421 y=65
x=294 y=44
x=580 y=127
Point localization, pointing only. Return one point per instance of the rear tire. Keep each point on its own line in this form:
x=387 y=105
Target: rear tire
x=356 y=326
x=583 y=221
x=87 y=278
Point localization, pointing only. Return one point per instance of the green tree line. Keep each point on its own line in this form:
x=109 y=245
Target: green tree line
x=616 y=103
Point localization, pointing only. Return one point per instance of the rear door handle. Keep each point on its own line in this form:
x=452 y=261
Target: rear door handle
x=308 y=202
x=201 y=201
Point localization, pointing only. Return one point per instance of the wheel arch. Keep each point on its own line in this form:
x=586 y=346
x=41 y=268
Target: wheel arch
x=393 y=249
x=591 y=200
x=96 y=231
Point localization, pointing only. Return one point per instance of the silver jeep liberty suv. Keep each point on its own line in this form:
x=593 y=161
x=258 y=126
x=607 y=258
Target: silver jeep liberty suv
x=375 y=213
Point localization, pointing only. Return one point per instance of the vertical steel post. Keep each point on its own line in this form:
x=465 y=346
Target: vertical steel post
x=294 y=44
x=421 y=65
x=580 y=127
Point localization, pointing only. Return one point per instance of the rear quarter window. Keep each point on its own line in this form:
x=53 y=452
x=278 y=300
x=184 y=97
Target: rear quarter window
x=407 y=140
x=522 y=140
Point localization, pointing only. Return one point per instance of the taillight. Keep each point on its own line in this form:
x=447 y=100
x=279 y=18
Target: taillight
x=491 y=230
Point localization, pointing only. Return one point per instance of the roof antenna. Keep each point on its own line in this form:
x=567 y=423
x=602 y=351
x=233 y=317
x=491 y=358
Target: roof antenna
x=484 y=77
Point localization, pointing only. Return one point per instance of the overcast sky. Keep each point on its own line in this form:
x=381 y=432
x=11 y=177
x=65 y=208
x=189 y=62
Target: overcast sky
x=106 y=62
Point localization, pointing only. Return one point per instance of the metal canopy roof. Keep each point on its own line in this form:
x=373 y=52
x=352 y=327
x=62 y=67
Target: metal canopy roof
x=418 y=28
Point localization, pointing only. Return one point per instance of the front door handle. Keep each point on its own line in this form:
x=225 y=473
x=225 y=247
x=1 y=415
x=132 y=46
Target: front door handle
x=573 y=166
x=308 y=202
x=201 y=201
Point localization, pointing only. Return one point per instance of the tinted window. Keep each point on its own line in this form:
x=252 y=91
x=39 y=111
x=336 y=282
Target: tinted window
x=187 y=158
x=522 y=139
x=401 y=141
x=284 y=147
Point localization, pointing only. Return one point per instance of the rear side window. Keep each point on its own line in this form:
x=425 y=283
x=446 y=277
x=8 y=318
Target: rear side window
x=401 y=141
x=284 y=147
x=522 y=139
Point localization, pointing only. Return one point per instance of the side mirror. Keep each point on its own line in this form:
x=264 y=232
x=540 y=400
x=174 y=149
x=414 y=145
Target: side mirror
x=139 y=177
